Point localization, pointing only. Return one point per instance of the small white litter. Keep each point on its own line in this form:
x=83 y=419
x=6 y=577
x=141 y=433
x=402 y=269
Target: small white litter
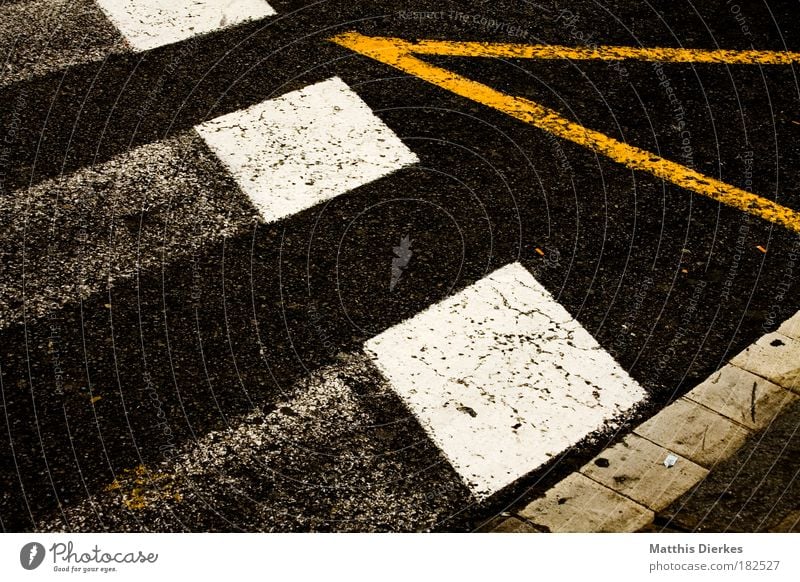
x=670 y=461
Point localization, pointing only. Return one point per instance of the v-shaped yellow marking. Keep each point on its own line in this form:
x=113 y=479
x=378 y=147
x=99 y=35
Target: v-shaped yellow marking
x=400 y=53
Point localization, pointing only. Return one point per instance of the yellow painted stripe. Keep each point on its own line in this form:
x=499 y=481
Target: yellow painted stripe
x=398 y=53
x=603 y=53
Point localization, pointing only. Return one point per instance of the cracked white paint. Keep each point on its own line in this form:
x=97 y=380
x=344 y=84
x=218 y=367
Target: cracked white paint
x=147 y=24
x=502 y=378
x=303 y=148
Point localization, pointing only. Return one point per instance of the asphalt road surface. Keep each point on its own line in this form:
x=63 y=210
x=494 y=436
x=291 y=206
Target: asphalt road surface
x=255 y=280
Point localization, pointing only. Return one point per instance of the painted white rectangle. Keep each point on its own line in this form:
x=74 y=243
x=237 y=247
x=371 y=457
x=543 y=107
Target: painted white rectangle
x=150 y=206
x=308 y=146
x=38 y=37
x=147 y=24
x=502 y=378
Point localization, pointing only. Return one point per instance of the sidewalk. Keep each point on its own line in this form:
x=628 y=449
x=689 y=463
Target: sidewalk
x=723 y=458
x=756 y=490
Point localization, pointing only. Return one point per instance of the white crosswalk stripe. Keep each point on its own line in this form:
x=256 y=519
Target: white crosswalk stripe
x=305 y=147
x=147 y=24
x=503 y=378
x=321 y=438
x=287 y=154
x=482 y=380
x=41 y=36
x=198 y=213
x=140 y=210
x=499 y=376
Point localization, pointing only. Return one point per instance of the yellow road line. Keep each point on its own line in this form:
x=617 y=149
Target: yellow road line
x=399 y=54
x=603 y=53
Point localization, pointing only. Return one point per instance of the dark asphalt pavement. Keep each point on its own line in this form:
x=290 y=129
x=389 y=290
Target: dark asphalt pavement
x=227 y=352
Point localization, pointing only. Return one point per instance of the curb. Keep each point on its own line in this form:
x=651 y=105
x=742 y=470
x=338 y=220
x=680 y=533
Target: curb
x=624 y=486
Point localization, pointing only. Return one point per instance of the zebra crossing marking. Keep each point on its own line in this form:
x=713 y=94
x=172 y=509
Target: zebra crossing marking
x=148 y=24
x=137 y=211
x=502 y=378
x=38 y=37
x=286 y=154
x=305 y=147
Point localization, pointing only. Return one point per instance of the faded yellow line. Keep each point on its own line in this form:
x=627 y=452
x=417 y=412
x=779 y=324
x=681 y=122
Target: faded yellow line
x=603 y=53
x=398 y=53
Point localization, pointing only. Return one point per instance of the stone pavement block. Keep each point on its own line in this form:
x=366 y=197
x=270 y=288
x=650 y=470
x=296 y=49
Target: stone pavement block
x=513 y=525
x=752 y=491
x=635 y=468
x=742 y=396
x=791 y=327
x=791 y=381
x=775 y=357
x=579 y=504
x=694 y=432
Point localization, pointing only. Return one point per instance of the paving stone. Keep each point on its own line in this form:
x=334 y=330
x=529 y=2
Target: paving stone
x=791 y=380
x=791 y=327
x=579 y=504
x=695 y=432
x=775 y=357
x=742 y=396
x=635 y=468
